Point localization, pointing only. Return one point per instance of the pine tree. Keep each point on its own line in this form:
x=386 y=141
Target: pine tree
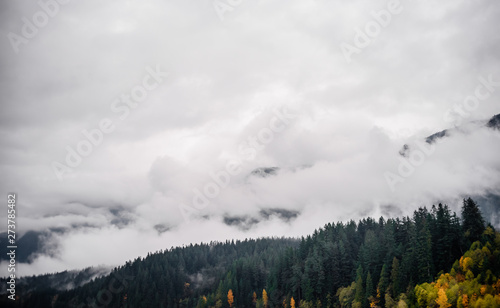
x=383 y=283
x=359 y=293
x=369 y=286
x=424 y=255
x=395 y=277
x=473 y=222
x=443 y=235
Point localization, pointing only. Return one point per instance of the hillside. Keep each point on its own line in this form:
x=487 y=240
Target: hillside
x=403 y=262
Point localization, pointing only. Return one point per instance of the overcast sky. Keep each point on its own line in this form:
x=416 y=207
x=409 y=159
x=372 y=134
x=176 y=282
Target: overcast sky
x=116 y=116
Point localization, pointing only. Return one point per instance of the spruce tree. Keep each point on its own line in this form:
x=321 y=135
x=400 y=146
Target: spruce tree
x=359 y=294
x=472 y=221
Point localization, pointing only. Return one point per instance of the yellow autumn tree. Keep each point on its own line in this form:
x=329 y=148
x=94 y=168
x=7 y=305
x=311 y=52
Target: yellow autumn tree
x=264 y=297
x=230 y=298
x=254 y=298
x=466 y=263
x=292 y=303
x=442 y=299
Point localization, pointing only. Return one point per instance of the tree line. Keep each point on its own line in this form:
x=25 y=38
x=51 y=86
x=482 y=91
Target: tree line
x=433 y=258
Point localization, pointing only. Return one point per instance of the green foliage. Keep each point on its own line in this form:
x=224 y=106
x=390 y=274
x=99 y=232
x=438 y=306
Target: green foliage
x=346 y=295
x=473 y=222
x=371 y=263
x=472 y=282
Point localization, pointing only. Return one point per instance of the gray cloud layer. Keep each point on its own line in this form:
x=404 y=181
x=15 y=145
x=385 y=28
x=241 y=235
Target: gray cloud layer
x=226 y=80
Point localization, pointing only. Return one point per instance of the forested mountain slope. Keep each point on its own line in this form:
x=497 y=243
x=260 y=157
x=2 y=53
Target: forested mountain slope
x=434 y=258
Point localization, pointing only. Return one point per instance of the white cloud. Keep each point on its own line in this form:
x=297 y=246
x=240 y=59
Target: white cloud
x=225 y=80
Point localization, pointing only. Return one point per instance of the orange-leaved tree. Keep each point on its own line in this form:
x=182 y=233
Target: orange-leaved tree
x=230 y=298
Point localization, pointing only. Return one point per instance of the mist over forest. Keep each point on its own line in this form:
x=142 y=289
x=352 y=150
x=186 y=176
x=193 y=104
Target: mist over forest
x=297 y=147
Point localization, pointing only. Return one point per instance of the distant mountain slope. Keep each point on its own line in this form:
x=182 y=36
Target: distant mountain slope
x=489 y=202
x=29 y=245
x=265 y=171
x=62 y=281
x=493 y=123
x=247 y=222
x=338 y=264
x=170 y=274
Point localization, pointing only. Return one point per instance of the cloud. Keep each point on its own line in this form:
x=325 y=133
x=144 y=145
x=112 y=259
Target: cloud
x=217 y=107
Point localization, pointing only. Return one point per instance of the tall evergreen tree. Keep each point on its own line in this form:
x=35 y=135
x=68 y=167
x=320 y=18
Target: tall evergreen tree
x=472 y=221
x=369 y=286
x=359 y=294
x=395 y=287
x=383 y=284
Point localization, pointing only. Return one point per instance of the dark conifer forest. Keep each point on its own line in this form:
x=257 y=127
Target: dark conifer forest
x=436 y=258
